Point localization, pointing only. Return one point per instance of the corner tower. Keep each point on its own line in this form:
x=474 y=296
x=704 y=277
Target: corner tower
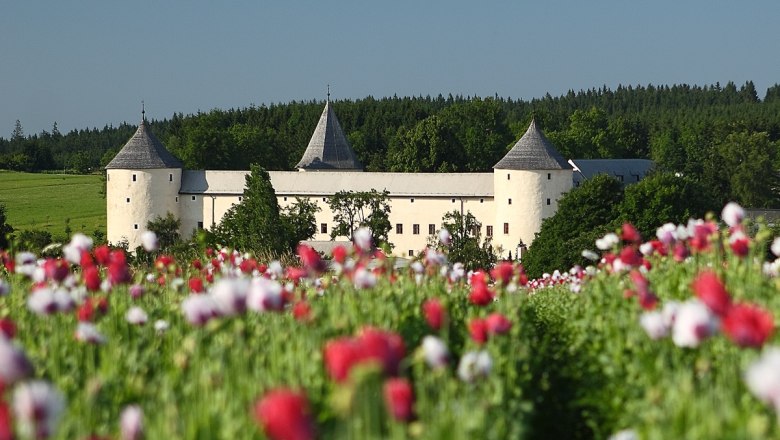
x=527 y=184
x=142 y=182
x=328 y=148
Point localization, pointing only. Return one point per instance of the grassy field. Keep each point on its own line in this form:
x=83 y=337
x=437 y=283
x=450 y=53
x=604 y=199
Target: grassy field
x=46 y=201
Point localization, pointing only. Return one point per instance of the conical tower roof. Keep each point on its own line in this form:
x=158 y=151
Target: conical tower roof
x=328 y=148
x=143 y=151
x=533 y=152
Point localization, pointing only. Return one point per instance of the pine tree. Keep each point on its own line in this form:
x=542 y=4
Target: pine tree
x=255 y=224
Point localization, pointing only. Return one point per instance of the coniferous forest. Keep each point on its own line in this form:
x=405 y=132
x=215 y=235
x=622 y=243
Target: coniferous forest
x=725 y=137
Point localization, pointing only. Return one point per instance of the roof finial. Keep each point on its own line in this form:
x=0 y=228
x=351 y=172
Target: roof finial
x=143 y=111
x=328 y=92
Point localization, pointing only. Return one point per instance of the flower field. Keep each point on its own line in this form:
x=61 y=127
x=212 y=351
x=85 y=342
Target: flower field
x=664 y=337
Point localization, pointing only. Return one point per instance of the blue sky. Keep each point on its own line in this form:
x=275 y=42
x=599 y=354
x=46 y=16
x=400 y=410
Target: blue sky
x=89 y=63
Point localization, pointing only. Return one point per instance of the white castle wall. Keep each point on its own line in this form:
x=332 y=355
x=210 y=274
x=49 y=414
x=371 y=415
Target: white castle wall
x=134 y=197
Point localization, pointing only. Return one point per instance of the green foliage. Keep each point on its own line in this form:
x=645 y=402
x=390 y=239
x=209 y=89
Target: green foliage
x=299 y=219
x=583 y=215
x=662 y=198
x=355 y=209
x=749 y=166
x=5 y=228
x=255 y=224
x=167 y=230
x=33 y=240
x=467 y=246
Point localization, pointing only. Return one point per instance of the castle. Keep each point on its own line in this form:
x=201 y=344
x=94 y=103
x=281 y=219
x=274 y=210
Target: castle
x=144 y=181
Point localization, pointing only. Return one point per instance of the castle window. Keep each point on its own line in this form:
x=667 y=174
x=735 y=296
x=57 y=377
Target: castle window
x=193 y=198
x=548 y=202
x=411 y=253
x=637 y=177
x=133 y=177
x=128 y=200
x=431 y=229
x=170 y=177
x=475 y=230
x=323 y=228
x=285 y=199
x=240 y=198
x=177 y=199
x=506 y=228
x=510 y=201
x=549 y=176
x=324 y=199
x=200 y=225
x=507 y=176
x=399 y=228
x=481 y=200
x=620 y=177
x=412 y=200
x=489 y=231
x=453 y=200
x=416 y=229
x=135 y=226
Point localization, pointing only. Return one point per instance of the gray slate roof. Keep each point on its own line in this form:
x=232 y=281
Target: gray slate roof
x=533 y=152
x=296 y=183
x=143 y=151
x=625 y=170
x=328 y=148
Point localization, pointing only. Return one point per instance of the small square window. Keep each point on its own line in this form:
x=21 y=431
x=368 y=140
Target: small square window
x=240 y=198
x=135 y=226
x=453 y=200
x=133 y=177
x=416 y=229
x=481 y=200
x=399 y=228
x=431 y=229
x=506 y=228
x=285 y=199
x=323 y=228
x=128 y=200
x=170 y=177
x=324 y=199
x=200 y=225
x=193 y=198
x=411 y=253
x=489 y=231
x=510 y=201
x=412 y=200
x=548 y=202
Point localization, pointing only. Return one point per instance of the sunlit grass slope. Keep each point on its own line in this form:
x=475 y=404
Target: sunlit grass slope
x=45 y=201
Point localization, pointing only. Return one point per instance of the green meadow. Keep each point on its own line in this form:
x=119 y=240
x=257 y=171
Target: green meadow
x=47 y=201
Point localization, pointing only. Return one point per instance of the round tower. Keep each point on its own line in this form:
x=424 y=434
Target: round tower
x=142 y=183
x=527 y=184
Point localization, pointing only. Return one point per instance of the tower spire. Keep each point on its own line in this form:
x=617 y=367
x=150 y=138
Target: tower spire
x=328 y=92
x=143 y=111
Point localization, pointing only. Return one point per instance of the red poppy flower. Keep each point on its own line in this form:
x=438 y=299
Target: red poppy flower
x=711 y=291
x=284 y=415
x=399 y=398
x=748 y=325
x=434 y=313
